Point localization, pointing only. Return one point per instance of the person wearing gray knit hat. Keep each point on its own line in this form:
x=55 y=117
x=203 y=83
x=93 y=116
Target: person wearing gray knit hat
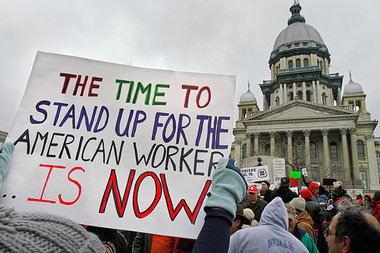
x=33 y=232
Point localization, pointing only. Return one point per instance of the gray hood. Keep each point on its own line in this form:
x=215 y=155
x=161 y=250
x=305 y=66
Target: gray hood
x=275 y=214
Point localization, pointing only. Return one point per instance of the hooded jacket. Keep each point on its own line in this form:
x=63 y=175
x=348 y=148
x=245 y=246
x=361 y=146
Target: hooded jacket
x=270 y=236
x=306 y=223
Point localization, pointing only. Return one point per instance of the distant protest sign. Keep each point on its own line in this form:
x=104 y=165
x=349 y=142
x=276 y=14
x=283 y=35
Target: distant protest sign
x=278 y=169
x=119 y=146
x=255 y=174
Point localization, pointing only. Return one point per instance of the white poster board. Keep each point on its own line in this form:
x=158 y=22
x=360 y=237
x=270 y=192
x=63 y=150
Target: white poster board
x=255 y=174
x=119 y=146
x=278 y=169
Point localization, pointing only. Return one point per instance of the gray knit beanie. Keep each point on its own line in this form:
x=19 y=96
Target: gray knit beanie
x=26 y=232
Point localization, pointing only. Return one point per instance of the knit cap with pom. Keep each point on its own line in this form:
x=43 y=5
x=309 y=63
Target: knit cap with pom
x=26 y=232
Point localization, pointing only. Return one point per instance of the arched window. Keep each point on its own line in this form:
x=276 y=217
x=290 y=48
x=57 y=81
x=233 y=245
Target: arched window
x=308 y=95
x=306 y=62
x=244 y=155
x=360 y=146
x=324 y=98
x=313 y=150
x=277 y=101
x=291 y=96
x=300 y=95
x=290 y=64
x=333 y=150
x=298 y=63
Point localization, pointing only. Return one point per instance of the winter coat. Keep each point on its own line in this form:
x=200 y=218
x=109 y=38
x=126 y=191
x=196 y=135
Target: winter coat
x=257 y=208
x=284 y=193
x=376 y=210
x=313 y=210
x=306 y=223
x=305 y=239
x=271 y=236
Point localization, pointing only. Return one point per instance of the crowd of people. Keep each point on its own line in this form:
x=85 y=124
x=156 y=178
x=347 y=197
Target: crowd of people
x=239 y=218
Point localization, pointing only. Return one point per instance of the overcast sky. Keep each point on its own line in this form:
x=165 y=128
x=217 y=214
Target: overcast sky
x=208 y=36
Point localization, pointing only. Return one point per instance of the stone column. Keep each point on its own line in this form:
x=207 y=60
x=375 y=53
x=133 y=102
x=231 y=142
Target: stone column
x=271 y=100
x=338 y=100
x=346 y=161
x=284 y=94
x=281 y=95
x=355 y=162
x=318 y=93
x=237 y=151
x=256 y=144
x=289 y=134
x=372 y=163
x=303 y=91
x=306 y=133
x=249 y=144
x=294 y=91
x=314 y=93
x=272 y=143
x=265 y=102
x=326 y=152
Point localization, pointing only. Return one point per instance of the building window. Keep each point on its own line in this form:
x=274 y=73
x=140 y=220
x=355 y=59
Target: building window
x=290 y=96
x=308 y=95
x=298 y=63
x=267 y=149
x=299 y=95
x=290 y=64
x=306 y=62
x=277 y=101
x=324 y=98
x=363 y=178
x=360 y=146
x=244 y=155
x=333 y=150
x=378 y=161
x=313 y=150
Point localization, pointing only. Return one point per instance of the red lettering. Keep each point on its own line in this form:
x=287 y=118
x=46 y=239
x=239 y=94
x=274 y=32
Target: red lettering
x=199 y=96
x=47 y=178
x=156 y=197
x=67 y=80
x=174 y=212
x=76 y=183
x=189 y=88
x=80 y=85
x=113 y=186
x=94 y=86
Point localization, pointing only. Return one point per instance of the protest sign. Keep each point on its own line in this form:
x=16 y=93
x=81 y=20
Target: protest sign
x=295 y=174
x=255 y=174
x=119 y=146
x=278 y=169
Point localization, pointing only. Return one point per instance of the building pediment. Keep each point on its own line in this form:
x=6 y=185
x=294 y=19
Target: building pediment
x=298 y=110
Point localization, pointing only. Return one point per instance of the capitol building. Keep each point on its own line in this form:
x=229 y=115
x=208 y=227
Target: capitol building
x=308 y=116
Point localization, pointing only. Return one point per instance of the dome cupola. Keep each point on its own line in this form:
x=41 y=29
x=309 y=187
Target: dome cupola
x=352 y=87
x=248 y=96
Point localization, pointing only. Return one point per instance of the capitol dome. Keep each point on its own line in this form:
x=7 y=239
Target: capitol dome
x=298 y=38
x=298 y=32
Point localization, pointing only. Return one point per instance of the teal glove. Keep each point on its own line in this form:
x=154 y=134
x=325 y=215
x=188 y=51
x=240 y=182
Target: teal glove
x=228 y=186
x=6 y=151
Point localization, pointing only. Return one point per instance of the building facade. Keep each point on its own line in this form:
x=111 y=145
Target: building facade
x=307 y=117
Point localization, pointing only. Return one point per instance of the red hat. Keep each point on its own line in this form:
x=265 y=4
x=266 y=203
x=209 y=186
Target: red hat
x=253 y=189
x=306 y=194
x=313 y=186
